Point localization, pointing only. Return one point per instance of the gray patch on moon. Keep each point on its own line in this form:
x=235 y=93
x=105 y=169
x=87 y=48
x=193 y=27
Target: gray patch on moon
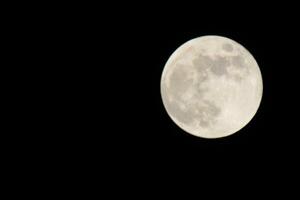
x=240 y=64
x=179 y=82
x=237 y=78
x=238 y=61
x=185 y=116
x=173 y=107
x=201 y=63
x=207 y=113
x=201 y=68
x=217 y=65
x=200 y=91
x=227 y=47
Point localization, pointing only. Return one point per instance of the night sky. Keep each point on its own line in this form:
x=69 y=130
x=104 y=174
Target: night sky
x=97 y=83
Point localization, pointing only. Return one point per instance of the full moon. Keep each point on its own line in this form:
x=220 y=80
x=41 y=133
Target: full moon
x=211 y=87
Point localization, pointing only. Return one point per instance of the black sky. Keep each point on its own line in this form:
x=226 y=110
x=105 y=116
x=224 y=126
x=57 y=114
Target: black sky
x=102 y=71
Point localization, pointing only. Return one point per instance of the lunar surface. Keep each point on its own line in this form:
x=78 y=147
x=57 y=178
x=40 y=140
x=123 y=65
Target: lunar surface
x=211 y=87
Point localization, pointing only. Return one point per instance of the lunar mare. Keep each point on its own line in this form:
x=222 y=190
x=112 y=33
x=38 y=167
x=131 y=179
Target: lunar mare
x=211 y=86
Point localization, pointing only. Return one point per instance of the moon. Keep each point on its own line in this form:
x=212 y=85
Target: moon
x=211 y=86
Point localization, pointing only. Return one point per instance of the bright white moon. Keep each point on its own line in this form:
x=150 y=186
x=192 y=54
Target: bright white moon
x=211 y=86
